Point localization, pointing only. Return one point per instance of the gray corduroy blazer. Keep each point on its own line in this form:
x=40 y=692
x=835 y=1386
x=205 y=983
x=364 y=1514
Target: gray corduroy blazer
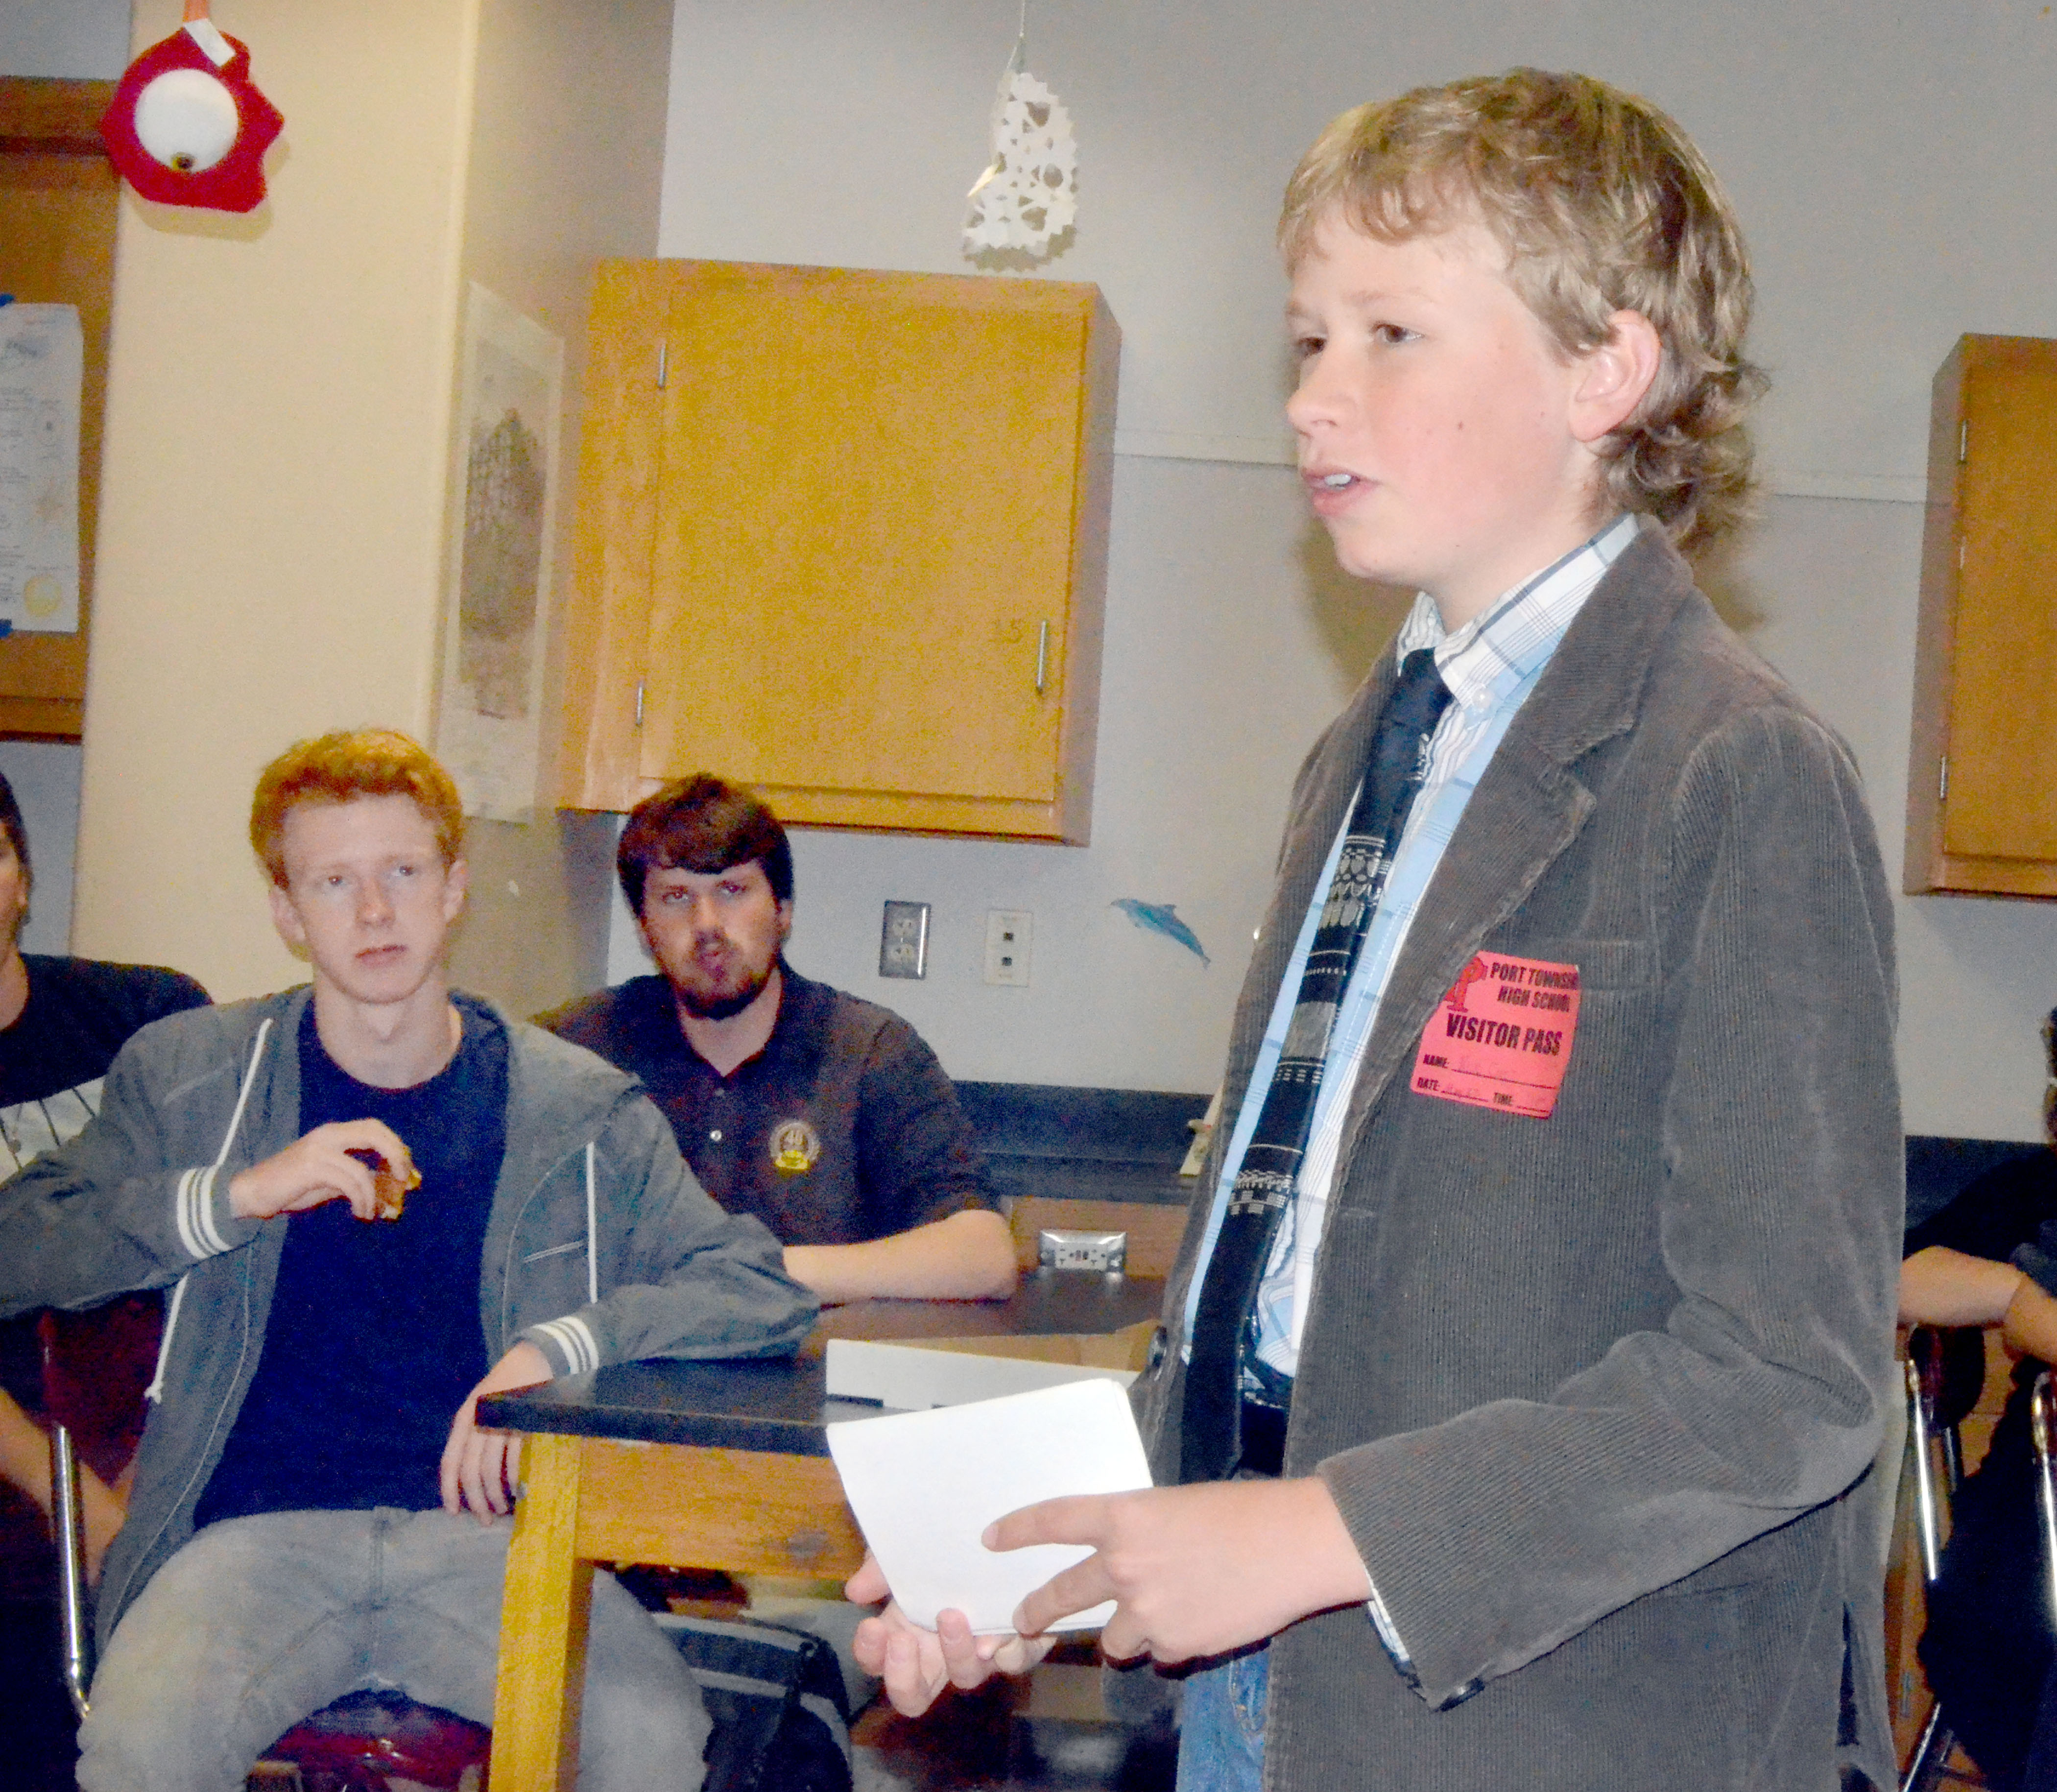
x=1596 y=1394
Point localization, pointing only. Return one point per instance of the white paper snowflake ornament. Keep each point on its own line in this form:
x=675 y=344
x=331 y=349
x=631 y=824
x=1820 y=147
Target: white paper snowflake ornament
x=1028 y=197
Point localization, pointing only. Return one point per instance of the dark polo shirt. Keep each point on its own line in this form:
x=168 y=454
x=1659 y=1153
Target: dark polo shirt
x=843 y=1129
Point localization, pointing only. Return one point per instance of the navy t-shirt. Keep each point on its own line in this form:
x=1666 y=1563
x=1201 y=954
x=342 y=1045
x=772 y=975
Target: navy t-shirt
x=374 y=1338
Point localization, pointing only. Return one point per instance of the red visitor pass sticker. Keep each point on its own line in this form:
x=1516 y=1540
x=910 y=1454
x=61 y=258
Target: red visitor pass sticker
x=1502 y=1037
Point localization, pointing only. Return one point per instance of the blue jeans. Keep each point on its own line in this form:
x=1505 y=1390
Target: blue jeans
x=257 y=1622
x=1221 y=1732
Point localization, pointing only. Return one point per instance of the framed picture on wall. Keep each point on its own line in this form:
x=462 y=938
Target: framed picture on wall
x=497 y=603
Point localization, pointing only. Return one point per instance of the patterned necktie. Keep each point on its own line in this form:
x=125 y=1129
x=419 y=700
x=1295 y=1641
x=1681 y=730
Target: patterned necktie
x=1223 y=1325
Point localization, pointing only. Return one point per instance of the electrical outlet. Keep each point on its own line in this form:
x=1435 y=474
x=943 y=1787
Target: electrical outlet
x=1009 y=937
x=1105 y=1251
x=903 y=940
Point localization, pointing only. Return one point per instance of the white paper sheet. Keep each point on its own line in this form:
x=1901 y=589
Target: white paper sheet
x=42 y=362
x=926 y=1485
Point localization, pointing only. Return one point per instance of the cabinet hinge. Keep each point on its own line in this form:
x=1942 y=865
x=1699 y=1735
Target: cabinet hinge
x=639 y=702
x=1961 y=553
x=1042 y=658
x=1943 y=779
x=1964 y=441
x=664 y=362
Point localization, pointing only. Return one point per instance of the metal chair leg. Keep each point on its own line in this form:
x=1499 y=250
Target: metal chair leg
x=68 y=1519
x=1925 y=1767
x=1927 y=1496
x=1923 y=1376
x=2042 y=1434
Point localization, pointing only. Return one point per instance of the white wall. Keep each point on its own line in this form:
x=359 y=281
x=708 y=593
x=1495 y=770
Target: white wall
x=1892 y=170
x=71 y=40
x=284 y=581
x=1890 y=166
x=1827 y=592
x=289 y=578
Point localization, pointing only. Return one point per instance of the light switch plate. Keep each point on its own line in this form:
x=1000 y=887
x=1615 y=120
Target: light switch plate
x=903 y=940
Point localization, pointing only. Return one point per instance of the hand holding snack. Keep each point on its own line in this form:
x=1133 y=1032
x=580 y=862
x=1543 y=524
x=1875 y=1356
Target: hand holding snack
x=389 y=1186
x=344 y=1160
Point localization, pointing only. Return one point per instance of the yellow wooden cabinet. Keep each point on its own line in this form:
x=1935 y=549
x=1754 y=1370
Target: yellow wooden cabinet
x=1982 y=776
x=842 y=537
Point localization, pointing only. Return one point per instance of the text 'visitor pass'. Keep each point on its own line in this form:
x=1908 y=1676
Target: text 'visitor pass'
x=1502 y=1037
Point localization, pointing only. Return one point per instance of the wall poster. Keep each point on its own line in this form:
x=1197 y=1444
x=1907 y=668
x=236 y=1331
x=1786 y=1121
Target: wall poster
x=42 y=366
x=497 y=612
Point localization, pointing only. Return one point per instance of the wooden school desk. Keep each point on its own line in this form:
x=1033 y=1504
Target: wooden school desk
x=708 y=1466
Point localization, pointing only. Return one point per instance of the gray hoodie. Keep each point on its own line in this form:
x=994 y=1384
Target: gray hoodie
x=601 y=1246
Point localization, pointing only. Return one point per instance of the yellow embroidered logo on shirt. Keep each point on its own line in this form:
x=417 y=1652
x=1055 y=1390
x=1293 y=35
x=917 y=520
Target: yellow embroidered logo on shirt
x=795 y=1146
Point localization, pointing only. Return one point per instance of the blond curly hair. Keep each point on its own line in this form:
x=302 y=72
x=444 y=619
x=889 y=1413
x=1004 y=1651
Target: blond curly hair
x=1602 y=204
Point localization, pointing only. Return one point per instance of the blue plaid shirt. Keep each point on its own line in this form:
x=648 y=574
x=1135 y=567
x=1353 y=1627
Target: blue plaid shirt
x=1490 y=664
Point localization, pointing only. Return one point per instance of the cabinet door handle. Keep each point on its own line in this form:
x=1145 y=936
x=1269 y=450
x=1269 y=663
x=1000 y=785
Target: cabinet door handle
x=1042 y=656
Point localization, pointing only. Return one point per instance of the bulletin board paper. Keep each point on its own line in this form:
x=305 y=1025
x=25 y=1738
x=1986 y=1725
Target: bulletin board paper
x=42 y=367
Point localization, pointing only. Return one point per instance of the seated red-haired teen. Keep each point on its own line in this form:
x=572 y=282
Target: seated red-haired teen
x=372 y=1202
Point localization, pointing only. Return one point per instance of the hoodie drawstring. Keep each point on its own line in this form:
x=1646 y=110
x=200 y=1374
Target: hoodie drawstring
x=592 y=1230
x=155 y=1392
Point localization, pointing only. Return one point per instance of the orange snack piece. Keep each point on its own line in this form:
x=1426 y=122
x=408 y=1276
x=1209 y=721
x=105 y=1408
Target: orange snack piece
x=389 y=1189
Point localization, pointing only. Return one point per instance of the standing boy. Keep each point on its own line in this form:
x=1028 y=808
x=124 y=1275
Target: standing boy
x=1523 y=1362
x=372 y=1204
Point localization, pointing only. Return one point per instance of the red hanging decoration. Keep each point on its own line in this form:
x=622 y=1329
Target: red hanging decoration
x=187 y=126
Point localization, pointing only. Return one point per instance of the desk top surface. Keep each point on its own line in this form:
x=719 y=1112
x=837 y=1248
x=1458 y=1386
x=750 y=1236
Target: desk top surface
x=782 y=1405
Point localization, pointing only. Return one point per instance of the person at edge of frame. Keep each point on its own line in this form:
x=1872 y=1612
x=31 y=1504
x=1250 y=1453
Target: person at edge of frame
x=61 y=1022
x=1521 y=1382
x=1989 y=1258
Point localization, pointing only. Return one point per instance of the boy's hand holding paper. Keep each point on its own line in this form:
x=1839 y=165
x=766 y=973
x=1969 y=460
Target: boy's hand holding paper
x=1034 y=1513
x=926 y=1486
x=916 y=1664
x=1194 y=1571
